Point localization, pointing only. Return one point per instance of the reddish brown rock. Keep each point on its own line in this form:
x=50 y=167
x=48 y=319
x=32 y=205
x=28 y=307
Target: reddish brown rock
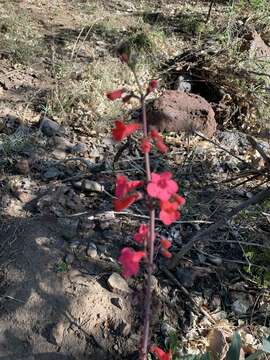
x=178 y=111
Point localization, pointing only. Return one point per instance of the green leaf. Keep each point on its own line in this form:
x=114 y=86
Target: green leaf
x=234 y=350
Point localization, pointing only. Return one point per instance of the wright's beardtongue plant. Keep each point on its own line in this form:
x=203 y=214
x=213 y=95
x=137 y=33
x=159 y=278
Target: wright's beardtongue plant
x=160 y=193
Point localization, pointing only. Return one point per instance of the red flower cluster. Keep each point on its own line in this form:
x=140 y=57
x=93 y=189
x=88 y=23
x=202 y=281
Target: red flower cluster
x=122 y=192
x=130 y=260
x=160 y=354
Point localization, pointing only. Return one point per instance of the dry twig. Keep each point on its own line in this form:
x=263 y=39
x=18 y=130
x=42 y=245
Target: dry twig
x=205 y=234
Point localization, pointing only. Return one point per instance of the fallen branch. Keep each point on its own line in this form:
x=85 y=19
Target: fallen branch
x=193 y=304
x=205 y=234
x=260 y=150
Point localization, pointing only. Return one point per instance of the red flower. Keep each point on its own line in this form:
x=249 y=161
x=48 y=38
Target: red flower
x=123 y=186
x=158 y=139
x=116 y=94
x=145 y=145
x=123 y=203
x=160 y=354
x=152 y=86
x=122 y=130
x=142 y=235
x=129 y=260
x=165 y=245
x=168 y=212
x=161 y=186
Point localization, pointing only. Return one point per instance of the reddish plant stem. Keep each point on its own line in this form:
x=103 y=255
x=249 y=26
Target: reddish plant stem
x=150 y=251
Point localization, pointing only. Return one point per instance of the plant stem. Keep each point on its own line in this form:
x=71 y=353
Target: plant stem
x=150 y=251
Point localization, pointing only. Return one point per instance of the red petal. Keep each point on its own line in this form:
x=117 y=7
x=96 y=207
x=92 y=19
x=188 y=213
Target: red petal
x=145 y=145
x=155 y=134
x=161 y=146
x=166 y=253
x=130 y=261
x=122 y=130
x=160 y=354
x=121 y=204
x=179 y=199
x=166 y=244
x=116 y=94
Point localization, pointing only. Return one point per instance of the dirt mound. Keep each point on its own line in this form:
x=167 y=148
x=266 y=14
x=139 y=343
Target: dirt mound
x=51 y=314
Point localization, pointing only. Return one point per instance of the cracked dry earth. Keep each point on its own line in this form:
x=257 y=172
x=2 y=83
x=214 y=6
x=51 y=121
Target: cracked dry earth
x=45 y=314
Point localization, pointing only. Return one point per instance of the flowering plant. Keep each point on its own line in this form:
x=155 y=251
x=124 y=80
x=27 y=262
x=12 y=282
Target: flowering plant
x=158 y=190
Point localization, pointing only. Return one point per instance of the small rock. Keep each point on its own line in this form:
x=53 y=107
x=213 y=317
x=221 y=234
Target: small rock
x=216 y=260
x=79 y=148
x=240 y=307
x=221 y=315
x=118 y=284
x=74 y=245
x=77 y=185
x=51 y=173
x=69 y=259
x=94 y=153
x=62 y=143
x=167 y=329
x=59 y=154
x=25 y=197
x=57 y=333
x=49 y=127
x=92 y=186
x=105 y=216
x=22 y=166
x=184 y=83
x=92 y=250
